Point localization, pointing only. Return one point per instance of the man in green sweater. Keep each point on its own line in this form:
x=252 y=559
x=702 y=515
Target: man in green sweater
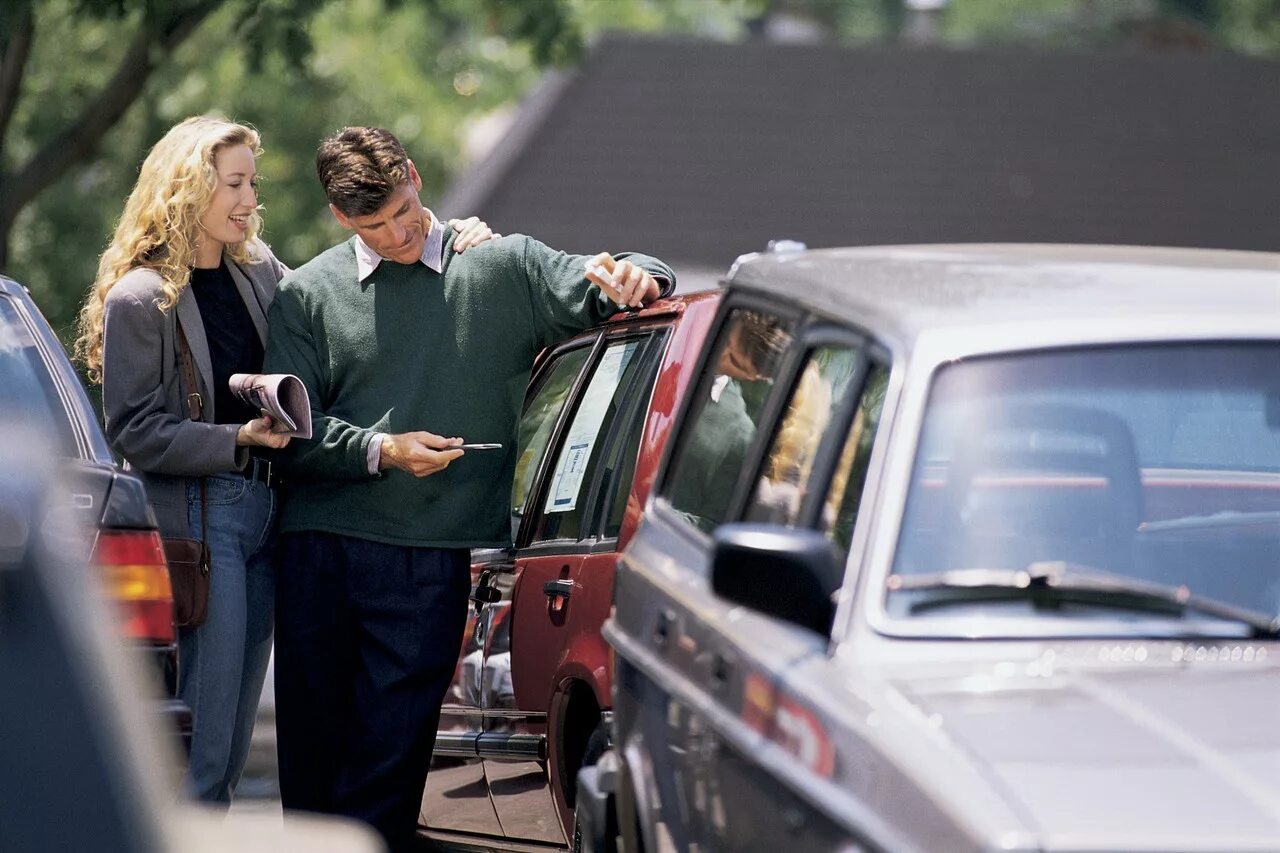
x=401 y=343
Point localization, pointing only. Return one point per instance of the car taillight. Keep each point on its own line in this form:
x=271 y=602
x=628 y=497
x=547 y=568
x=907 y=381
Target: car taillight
x=137 y=580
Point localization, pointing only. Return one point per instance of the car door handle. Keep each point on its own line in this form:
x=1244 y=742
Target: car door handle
x=484 y=594
x=563 y=587
x=662 y=630
x=719 y=670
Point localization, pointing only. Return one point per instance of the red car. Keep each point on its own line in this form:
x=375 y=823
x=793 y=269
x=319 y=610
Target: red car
x=530 y=701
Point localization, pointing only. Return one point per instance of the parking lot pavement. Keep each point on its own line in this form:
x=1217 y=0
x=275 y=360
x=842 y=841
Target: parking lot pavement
x=260 y=782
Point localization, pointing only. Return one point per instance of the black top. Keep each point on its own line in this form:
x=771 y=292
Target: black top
x=233 y=341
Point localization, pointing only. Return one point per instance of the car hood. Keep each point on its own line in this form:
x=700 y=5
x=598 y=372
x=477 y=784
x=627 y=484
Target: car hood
x=1179 y=756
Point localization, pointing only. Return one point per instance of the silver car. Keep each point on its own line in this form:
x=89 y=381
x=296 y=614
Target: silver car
x=961 y=548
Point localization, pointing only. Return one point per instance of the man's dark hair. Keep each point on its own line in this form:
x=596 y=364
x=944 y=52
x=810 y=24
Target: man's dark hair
x=360 y=167
x=762 y=338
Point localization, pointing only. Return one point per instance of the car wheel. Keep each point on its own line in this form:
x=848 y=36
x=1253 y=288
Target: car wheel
x=596 y=745
x=594 y=823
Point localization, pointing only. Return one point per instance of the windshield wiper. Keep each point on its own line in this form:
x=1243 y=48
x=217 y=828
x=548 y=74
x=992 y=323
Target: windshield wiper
x=1051 y=583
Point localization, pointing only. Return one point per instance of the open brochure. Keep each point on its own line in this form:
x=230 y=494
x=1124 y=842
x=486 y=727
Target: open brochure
x=280 y=395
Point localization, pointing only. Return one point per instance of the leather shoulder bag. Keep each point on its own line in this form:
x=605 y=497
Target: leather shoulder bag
x=189 y=558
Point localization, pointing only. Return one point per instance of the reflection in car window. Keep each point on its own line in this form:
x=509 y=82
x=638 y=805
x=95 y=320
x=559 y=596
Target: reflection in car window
x=537 y=422
x=28 y=393
x=585 y=441
x=818 y=394
x=1160 y=463
x=722 y=422
x=620 y=486
x=840 y=511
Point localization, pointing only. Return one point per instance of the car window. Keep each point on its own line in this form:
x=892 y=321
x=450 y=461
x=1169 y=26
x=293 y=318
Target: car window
x=840 y=510
x=620 y=486
x=708 y=459
x=28 y=393
x=819 y=392
x=1157 y=463
x=538 y=422
x=586 y=440
x=622 y=468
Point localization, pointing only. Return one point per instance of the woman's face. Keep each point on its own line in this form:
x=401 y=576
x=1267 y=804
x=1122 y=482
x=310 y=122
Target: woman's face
x=226 y=220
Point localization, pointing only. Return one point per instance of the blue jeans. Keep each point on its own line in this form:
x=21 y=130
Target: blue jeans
x=222 y=664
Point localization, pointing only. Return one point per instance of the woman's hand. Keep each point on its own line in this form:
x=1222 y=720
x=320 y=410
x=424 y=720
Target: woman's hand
x=257 y=432
x=472 y=231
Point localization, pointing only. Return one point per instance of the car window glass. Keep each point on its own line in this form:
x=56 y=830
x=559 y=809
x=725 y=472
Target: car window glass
x=620 y=486
x=840 y=511
x=536 y=424
x=565 y=505
x=28 y=393
x=1158 y=463
x=721 y=426
x=819 y=391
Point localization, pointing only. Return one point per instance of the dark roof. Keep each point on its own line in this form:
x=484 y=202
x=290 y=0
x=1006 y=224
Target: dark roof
x=698 y=151
x=917 y=288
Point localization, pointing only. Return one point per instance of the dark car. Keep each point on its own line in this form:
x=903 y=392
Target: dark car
x=962 y=548
x=531 y=698
x=39 y=390
x=80 y=768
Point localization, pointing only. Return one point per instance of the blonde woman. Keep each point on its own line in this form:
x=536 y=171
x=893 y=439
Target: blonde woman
x=186 y=261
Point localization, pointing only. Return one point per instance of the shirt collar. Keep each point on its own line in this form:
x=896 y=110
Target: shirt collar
x=718 y=386
x=367 y=259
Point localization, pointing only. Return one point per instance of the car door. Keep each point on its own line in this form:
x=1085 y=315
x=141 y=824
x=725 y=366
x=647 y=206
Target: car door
x=663 y=676
x=554 y=592
x=457 y=793
x=812 y=475
x=711 y=685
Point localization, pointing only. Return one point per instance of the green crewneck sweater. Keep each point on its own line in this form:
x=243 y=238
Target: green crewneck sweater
x=411 y=349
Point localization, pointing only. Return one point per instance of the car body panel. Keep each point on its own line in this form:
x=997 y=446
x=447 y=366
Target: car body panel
x=81 y=768
x=905 y=734
x=534 y=658
x=100 y=493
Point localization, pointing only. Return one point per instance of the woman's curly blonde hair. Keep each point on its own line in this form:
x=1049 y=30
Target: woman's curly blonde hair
x=160 y=226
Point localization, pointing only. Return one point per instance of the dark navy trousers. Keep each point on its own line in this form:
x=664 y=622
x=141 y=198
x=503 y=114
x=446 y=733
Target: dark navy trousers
x=367 y=640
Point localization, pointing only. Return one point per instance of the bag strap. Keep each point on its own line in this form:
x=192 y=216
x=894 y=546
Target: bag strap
x=195 y=411
x=195 y=403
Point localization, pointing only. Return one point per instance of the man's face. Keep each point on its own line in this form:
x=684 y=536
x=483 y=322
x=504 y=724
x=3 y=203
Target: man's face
x=398 y=230
x=734 y=360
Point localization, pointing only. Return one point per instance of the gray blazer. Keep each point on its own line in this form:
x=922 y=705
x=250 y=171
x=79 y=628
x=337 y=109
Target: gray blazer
x=142 y=400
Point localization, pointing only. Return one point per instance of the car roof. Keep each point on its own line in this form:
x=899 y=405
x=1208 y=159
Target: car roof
x=913 y=289
x=674 y=304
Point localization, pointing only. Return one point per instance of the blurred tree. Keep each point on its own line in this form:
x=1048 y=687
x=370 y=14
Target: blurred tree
x=87 y=86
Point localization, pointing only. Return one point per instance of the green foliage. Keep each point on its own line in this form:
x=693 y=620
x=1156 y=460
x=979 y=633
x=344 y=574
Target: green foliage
x=297 y=70
x=427 y=69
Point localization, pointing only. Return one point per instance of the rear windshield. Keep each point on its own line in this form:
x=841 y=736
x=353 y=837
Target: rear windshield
x=28 y=394
x=1158 y=463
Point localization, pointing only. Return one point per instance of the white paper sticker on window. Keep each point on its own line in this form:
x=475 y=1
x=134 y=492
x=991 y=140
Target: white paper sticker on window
x=571 y=467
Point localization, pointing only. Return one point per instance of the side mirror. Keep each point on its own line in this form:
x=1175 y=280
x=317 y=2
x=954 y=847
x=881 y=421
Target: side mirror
x=785 y=572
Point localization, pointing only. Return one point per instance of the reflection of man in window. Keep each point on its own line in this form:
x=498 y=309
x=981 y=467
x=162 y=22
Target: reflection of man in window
x=725 y=425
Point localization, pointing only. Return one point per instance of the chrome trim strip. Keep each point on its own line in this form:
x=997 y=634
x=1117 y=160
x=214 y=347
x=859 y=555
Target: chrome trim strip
x=504 y=746
x=456 y=744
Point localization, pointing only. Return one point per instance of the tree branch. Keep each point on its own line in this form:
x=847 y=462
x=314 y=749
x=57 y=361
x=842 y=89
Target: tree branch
x=13 y=65
x=151 y=46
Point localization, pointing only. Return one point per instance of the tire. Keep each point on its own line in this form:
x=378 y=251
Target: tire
x=596 y=745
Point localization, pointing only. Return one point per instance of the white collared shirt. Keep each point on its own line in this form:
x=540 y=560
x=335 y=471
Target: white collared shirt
x=367 y=259
x=718 y=386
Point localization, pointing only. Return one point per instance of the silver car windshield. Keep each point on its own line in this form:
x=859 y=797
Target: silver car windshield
x=1156 y=463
